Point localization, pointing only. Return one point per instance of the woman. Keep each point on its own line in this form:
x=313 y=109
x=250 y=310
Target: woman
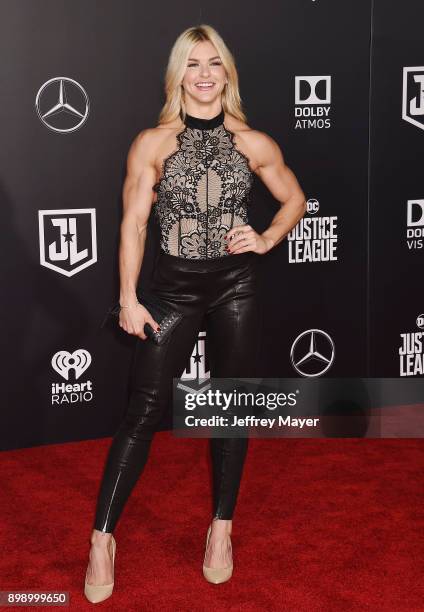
x=200 y=162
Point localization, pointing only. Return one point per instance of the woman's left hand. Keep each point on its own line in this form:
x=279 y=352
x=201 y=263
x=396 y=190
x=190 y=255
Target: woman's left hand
x=242 y=238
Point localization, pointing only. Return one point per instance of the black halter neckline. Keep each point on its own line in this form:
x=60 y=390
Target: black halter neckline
x=205 y=124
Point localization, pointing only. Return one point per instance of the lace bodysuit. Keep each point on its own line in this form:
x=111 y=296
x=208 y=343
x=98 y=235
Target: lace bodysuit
x=204 y=190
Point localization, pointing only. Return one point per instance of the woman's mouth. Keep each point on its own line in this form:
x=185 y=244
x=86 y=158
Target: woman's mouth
x=205 y=85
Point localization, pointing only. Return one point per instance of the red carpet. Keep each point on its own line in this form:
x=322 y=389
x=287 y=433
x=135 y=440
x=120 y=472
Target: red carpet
x=320 y=525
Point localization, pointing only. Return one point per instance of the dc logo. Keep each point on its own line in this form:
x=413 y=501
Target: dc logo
x=420 y=321
x=312 y=90
x=312 y=206
x=413 y=96
x=67 y=239
x=63 y=362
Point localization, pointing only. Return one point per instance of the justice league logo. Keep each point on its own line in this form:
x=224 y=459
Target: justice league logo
x=413 y=96
x=195 y=378
x=67 y=239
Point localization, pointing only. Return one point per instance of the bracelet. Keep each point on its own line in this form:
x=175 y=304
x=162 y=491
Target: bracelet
x=136 y=304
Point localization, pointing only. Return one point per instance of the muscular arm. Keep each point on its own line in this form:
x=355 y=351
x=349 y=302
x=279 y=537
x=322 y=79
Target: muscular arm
x=137 y=203
x=283 y=185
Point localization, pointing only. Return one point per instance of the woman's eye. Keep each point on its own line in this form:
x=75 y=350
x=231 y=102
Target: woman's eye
x=213 y=64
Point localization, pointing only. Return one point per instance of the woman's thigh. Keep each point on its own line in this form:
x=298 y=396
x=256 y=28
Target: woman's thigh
x=233 y=324
x=154 y=366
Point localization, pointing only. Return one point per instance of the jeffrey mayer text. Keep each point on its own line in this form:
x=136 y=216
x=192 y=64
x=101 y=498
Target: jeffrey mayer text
x=287 y=421
x=250 y=420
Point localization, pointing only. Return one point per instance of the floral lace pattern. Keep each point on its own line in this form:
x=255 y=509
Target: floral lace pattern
x=203 y=192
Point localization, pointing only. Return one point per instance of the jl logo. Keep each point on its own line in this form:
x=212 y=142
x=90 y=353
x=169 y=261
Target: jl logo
x=67 y=239
x=413 y=96
x=195 y=378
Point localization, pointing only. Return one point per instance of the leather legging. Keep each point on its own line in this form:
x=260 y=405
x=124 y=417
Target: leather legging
x=220 y=293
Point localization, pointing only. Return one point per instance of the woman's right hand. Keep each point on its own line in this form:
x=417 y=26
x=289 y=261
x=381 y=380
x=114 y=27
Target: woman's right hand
x=134 y=318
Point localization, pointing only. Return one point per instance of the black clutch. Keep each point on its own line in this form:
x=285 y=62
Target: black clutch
x=167 y=317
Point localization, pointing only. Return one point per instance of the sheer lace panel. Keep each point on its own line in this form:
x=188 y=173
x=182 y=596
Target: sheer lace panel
x=203 y=191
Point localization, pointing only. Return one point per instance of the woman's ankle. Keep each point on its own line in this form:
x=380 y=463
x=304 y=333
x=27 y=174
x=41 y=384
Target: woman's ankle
x=222 y=525
x=100 y=538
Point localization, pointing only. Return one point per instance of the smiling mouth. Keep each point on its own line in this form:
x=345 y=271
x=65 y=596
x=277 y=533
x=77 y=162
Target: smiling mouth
x=205 y=85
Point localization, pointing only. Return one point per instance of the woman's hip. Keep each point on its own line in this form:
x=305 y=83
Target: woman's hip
x=197 y=283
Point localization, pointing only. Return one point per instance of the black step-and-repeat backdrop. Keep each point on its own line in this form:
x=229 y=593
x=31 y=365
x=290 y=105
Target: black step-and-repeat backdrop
x=339 y=85
x=396 y=207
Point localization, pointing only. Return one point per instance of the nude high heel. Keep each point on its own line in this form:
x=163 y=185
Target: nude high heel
x=96 y=593
x=216 y=575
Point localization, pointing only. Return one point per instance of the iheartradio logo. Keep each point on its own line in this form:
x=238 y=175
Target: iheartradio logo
x=63 y=362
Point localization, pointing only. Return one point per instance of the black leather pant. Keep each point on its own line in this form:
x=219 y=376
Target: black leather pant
x=220 y=293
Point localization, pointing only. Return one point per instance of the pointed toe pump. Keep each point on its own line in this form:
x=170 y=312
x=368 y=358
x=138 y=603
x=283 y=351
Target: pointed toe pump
x=216 y=575
x=97 y=593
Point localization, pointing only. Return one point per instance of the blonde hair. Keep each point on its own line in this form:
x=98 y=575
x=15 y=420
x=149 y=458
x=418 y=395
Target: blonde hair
x=180 y=52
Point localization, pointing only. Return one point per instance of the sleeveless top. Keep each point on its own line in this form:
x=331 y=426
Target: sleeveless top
x=204 y=190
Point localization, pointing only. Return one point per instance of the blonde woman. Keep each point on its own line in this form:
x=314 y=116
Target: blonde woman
x=196 y=170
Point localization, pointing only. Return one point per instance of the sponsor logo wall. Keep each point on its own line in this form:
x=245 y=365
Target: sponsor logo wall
x=396 y=193
x=341 y=293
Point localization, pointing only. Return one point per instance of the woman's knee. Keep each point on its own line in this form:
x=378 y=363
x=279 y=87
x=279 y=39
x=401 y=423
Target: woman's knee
x=145 y=411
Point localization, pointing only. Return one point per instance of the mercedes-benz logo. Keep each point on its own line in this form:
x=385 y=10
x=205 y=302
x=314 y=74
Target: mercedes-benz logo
x=312 y=353
x=62 y=105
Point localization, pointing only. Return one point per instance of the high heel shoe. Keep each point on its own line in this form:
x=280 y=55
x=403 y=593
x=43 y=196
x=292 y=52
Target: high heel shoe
x=96 y=593
x=216 y=575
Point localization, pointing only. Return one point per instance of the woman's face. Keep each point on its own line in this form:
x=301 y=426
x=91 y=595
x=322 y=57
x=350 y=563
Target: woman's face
x=205 y=76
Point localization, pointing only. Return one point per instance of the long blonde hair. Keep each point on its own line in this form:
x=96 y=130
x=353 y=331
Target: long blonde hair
x=174 y=104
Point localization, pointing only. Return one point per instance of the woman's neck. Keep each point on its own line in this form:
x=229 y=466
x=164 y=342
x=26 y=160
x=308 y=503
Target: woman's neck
x=205 y=124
